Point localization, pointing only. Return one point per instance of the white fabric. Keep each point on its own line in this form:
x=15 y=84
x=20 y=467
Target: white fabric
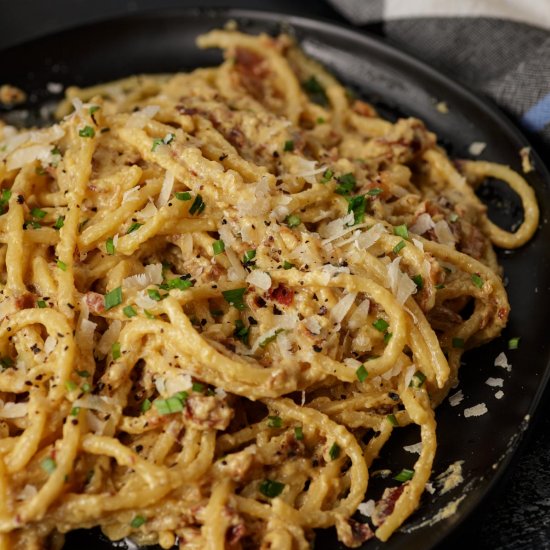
x=534 y=12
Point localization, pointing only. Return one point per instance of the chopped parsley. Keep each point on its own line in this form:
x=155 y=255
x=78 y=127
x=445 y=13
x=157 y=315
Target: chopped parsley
x=198 y=387
x=59 y=223
x=41 y=304
x=134 y=227
x=86 y=132
x=137 y=522
x=380 y=325
x=289 y=145
x=154 y=294
x=145 y=405
x=287 y=265
x=6 y=362
x=115 y=351
x=241 y=332
x=235 y=297
x=361 y=373
x=418 y=281
x=61 y=265
x=401 y=231
x=458 y=343
x=327 y=175
x=48 y=465
x=38 y=213
x=274 y=421
x=477 y=280
x=179 y=283
x=248 y=256
x=346 y=184
x=218 y=247
x=391 y=418
x=129 y=311
x=4 y=199
x=171 y=405
x=417 y=380
x=357 y=206
x=110 y=246
x=374 y=191
x=298 y=433
x=293 y=221
x=198 y=206
x=334 y=451
x=113 y=298
x=404 y=475
x=271 y=338
x=183 y=195
x=315 y=91
x=513 y=343
x=271 y=488
x=398 y=247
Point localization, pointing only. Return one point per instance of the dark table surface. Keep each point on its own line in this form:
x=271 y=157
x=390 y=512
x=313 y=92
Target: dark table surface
x=516 y=514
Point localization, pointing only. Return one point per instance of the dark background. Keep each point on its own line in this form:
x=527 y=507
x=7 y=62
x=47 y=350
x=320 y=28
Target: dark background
x=516 y=515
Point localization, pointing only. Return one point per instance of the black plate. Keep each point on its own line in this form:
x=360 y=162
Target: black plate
x=398 y=84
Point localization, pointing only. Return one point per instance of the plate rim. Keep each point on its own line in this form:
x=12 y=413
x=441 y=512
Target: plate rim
x=380 y=44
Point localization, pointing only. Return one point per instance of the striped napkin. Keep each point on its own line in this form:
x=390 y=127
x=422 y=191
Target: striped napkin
x=498 y=47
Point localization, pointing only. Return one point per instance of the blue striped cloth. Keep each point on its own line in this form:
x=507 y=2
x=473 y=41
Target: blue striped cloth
x=500 y=48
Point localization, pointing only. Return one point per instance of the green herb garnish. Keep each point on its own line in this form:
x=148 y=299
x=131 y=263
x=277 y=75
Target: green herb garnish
x=113 y=298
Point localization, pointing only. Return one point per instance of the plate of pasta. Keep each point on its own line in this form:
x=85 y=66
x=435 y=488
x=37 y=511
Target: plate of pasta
x=262 y=284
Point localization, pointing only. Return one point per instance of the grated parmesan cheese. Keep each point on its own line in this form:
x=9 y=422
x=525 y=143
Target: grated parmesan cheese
x=444 y=234
x=476 y=410
x=28 y=492
x=359 y=317
x=140 y=118
x=495 y=382
x=402 y=286
x=415 y=449
x=109 y=337
x=367 y=508
x=476 y=148
x=49 y=345
x=259 y=278
x=422 y=224
x=456 y=398
x=13 y=410
x=166 y=189
x=130 y=194
x=340 y=310
x=499 y=394
x=502 y=361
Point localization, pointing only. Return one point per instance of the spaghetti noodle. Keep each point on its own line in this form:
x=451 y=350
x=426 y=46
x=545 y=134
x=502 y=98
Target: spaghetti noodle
x=222 y=292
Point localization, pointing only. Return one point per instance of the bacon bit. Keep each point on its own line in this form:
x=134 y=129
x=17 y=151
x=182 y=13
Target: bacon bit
x=250 y=63
x=363 y=109
x=183 y=110
x=472 y=241
x=384 y=507
x=253 y=71
x=281 y=294
x=361 y=531
x=502 y=313
x=25 y=301
x=95 y=302
x=236 y=137
x=207 y=412
x=352 y=533
x=234 y=534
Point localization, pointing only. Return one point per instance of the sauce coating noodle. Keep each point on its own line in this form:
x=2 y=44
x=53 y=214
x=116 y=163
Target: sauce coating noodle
x=221 y=292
